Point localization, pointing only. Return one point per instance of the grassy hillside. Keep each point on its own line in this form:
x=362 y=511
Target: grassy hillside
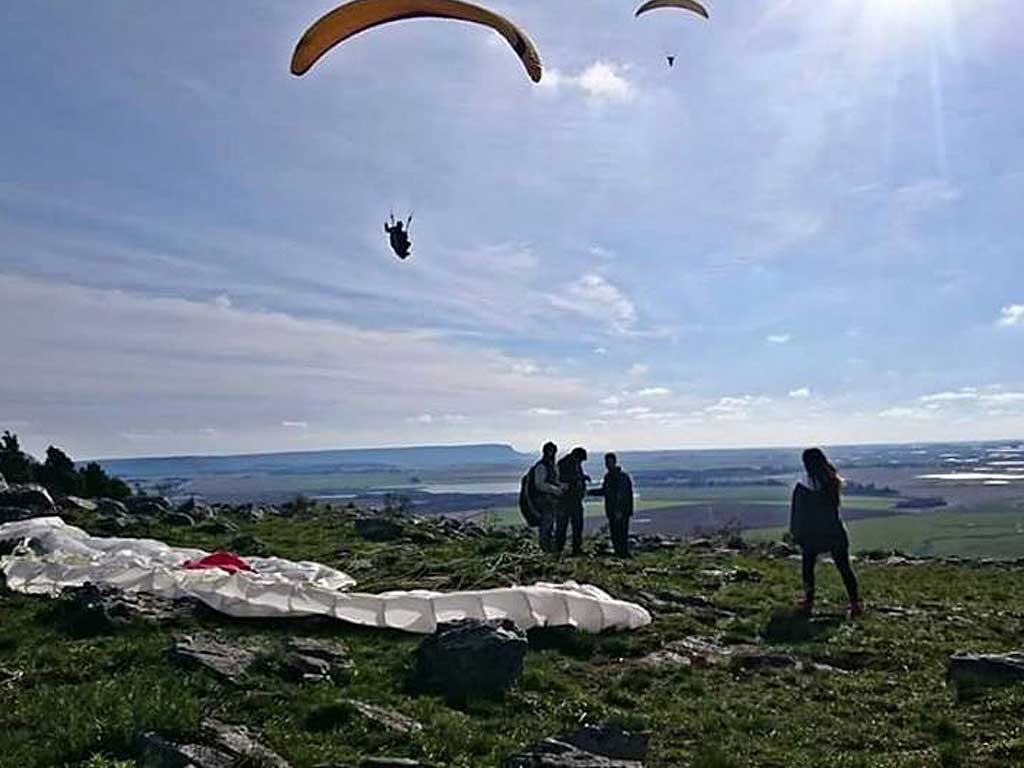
x=68 y=697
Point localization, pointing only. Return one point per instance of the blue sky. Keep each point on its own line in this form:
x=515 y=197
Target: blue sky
x=809 y=230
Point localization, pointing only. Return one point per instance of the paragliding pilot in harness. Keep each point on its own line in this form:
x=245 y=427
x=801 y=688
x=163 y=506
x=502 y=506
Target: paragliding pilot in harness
x=399 y=236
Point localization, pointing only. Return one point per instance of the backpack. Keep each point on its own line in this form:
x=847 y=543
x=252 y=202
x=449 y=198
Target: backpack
x=526 y=506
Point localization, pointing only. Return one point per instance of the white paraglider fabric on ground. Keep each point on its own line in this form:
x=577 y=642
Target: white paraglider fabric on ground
x=52 y=555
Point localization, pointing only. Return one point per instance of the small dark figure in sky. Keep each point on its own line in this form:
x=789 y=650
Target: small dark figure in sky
x=399 y=236
x=671 y=61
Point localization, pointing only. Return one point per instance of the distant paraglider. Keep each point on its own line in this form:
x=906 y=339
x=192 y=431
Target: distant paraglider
x=360 y=15
x=686 y=5
x=398 y=235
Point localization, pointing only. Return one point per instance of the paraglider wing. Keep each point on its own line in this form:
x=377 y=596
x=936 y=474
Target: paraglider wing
x=357 y=16
x=686 y=5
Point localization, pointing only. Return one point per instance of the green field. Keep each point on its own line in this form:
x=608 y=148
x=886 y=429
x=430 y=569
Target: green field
x=669 y=498
x=80 y=694
x=995 y=530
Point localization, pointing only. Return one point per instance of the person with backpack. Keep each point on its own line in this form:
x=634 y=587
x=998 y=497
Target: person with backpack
x=617 y=490
x=816 y=528
x=543 y=494
x=570 y=506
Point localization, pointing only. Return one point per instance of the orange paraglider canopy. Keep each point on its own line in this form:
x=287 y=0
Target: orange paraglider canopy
x=357 y=16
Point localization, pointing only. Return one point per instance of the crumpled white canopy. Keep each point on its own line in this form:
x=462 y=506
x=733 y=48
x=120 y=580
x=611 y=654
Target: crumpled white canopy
x=54 y=555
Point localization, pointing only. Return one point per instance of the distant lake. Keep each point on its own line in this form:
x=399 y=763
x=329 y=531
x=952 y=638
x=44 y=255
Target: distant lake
x=504 y=486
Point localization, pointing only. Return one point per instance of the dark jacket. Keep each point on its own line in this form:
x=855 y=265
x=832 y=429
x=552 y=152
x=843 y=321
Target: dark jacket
x=543 y=484
x=570 y=472
x=617 y=490
x=814 y=521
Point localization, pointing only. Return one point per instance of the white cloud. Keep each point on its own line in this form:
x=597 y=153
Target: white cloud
x=1011 y=316
x=1004 y=397
x=779 y=338
x=638 y=369
x=734 y=408
x=925 y=195
x=295 y=424
x=541 y=411
x=950 y=397
x=601 y=80
x=600 y=351
x=612 y=400
x=637 y=411
x=803 y=393
x=170 y=366
x=906 y=413
x=223 y=301
x=423 y=418
x=653 y=392
x=593 y=297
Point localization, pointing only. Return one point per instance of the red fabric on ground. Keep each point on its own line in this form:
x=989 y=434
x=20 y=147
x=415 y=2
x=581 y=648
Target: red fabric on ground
x=226 y=561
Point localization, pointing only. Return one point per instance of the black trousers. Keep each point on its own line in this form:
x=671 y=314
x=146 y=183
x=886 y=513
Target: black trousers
x=619 y=529
x=841 y=557
x=569 y=511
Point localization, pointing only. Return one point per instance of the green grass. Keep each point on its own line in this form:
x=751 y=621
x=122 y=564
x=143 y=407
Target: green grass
x=991 y=531
x=82 y=701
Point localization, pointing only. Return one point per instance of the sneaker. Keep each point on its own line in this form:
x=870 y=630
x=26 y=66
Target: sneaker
x=856 y=609
x=806 y=606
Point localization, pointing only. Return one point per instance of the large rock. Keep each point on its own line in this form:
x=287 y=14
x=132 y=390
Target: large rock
x=28 y=496
x=228 y=660
x=309 y=659
x=147 y=506
x=587 y=748
x=968 y=673
x=111 y=507
x=90 y=610
x=379 y=528
x=77 y=504
x=197 y=510
x=13 y=514
x=179 y=520
x=470 y=658
x=223 y=746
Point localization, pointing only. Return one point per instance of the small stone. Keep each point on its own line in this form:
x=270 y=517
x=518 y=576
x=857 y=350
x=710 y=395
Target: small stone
x=228 y=661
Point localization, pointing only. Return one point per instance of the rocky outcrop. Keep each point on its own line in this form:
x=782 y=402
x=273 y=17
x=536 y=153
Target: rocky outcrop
x=470 y=658
x=77 y=504
x=229 y=661
x=179 y=520
x=197 y=510
x=969 y=673
x=29 y=496
x=586 y=748
x=310 y=659
x=339 y=715
x=147 y=506
x=90 y=610
x=222 y=746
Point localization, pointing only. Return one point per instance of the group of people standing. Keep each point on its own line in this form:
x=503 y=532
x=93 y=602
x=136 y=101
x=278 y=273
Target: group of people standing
x=558 y=488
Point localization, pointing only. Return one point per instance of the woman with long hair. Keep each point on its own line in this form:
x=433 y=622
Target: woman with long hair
x=816 y=527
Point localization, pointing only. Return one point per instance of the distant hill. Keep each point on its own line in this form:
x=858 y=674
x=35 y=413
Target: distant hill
x=320 y=462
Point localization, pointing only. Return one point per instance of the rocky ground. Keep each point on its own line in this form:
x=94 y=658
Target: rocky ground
x=726 y=675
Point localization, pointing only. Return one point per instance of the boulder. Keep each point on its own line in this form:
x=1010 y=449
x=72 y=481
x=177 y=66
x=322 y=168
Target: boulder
x=77 y=504
x=587 y=748
x=227 y=660
x=93 y=610
x=310 y=659
x=969 y=672
x=216 y=527
x=224 y=746
x=470 y=658
x=147 y=506
x=179 y=520
x=27 y=496
x=197 y=510
x=379 y=528
x=111 y=507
